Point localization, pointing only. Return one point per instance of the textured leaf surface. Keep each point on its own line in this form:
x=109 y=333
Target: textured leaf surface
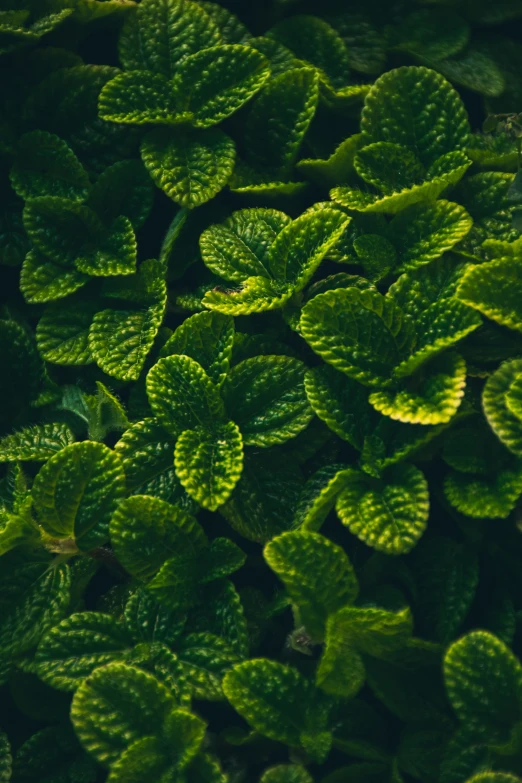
x=316 y=573
x=182 y=395
x=500 y=401
x=300 y=247
x=239 y=247
x=483 y=681
x=120 y=340
x=437 y=394
x=493 y=496
x=34 y=598
x=219 y=80
x=145 y=524
x=390 y=516
x=341 y=403
x=389 y=167
x=36 y=443
x=140 y=98
x=207 y=338
x=162 y=32
x=205 y=659
x=425 y=231
x=41 y=280
x=315 y=41
x=190 y=167
x=77 y=490
x=62 y=334
x=256 y=295
x=273 y=698
x=272 y=136
x=124 y=189
x=46 y=166
x=415 y=107
x=119 y=705
x=77 y=646
x=265 y=396
x=209 y=463
x=361 y=333
x=494 y=289
x=352 y=631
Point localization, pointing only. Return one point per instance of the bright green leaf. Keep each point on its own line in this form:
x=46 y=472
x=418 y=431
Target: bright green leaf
x=209 y=463
x=77 y=490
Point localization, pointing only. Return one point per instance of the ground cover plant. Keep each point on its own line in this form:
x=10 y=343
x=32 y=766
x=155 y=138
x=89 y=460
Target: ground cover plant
x=261 y=391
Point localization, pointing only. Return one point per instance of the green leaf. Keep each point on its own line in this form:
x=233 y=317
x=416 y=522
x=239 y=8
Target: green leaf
x=120 y=340
x=15 y=530
x=388 y=514
x=335 y=169
x=52 y=754
x=440 y=319
x=435 y=394
x=273 y=138
x=417 y=108
x=143 y=524
x=162 y=32
x=263 y=502
x=191 y=167
x=124 y=189
x=475 y=70
x=45 y=165
x=501 y=402
x=222 y=613
x=256 y=295
x=265 y=396
x=71 y=233
x=140 y=98
x=494 y=777
x=286 y=773
x=62 y=333
x=432 y=34
x=239 y=248
x=119 y=705
x=36 y=443
x=423 y=232
x=376 y=255
x=299 y=248
x=41 y=280
x=278 y=702
x=207 y=338
x=205 y=659
x=483 y=681
x=493 y=496
x=389 y=167
x=352 y=631
x=316 y=573
x=143 y=758
x=35 y=596
x=149 y=621
x=147 y=452
x=209 y=463
x=77 y=646
x=319 y=495
x=77 y=490
x=494 y=290
x=182 y=396
x=341 y=403
x=443 y=173
x=447 y=575
x=219 y=80
x=232 y=30
x=361 y=333
x=315 y=41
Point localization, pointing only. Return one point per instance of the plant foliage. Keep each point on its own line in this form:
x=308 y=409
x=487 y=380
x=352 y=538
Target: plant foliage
x=261 y=391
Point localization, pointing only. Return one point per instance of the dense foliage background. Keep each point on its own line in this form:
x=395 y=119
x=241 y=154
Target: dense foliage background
x=261 y=391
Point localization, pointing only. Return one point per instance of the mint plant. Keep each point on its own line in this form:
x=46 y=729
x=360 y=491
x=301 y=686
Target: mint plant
x=261 y=396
